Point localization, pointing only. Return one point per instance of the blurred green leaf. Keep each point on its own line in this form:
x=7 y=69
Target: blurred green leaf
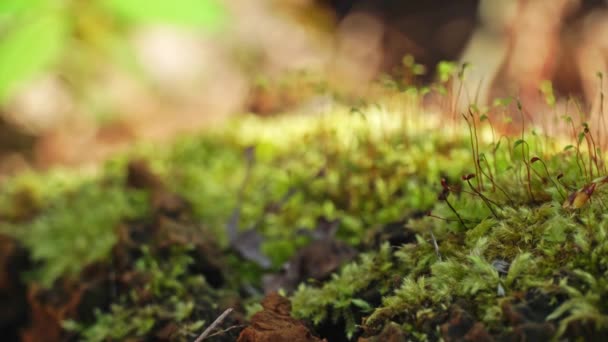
x=362 y=304
x=205 y=13
x=11 y=7
x=445 y=70
x=502 y=102
x=29 y=49
x=546 y=88
x=418 y=69
x=408 y=61
x=518 y=142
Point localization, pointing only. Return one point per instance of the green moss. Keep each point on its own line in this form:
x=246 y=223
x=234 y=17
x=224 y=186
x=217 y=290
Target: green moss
x=171 y=296
x=77 y=227
x=524 y=227
x=338 y=299
x=487 y=241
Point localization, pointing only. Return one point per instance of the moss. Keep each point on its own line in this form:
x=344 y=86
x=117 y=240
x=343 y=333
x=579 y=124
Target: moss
x=171 y=297
x=489 y=239
x=76 y=228
x=523 y=228
x=339 y=298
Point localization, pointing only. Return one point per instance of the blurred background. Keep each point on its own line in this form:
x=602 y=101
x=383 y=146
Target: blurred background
x=80 y=80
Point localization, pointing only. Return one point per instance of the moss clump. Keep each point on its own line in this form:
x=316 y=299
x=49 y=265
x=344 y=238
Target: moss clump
x=488 y=234
x=485 y=244
x=171 y=303
x=77 y=228
x=344 y=297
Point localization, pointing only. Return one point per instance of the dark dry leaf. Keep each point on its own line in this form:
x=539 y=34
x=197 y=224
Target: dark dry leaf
x=316 y=261
x=275 y=323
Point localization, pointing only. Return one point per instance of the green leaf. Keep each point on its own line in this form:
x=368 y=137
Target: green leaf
x=29 y=49
x=196 y=13
x=360 y=303
x=408 y=61
x=12 y=7
x=581 y=137
x=502 y=102
x=555 y=233
x=497 y=145
x=445 y=70
x=418 y=69
x=520 y=265
x=71 y=325
x=518 y=142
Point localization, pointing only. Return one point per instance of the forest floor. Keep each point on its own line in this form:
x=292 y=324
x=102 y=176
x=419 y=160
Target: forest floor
x=364 y=223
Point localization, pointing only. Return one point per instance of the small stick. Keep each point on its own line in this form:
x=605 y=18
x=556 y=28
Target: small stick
x=226 y=330
x=435 y=245
x=213 y=325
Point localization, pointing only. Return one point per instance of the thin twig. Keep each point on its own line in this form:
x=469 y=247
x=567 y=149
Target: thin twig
x=435 y=245
x=221 y=332
x=215 y=323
